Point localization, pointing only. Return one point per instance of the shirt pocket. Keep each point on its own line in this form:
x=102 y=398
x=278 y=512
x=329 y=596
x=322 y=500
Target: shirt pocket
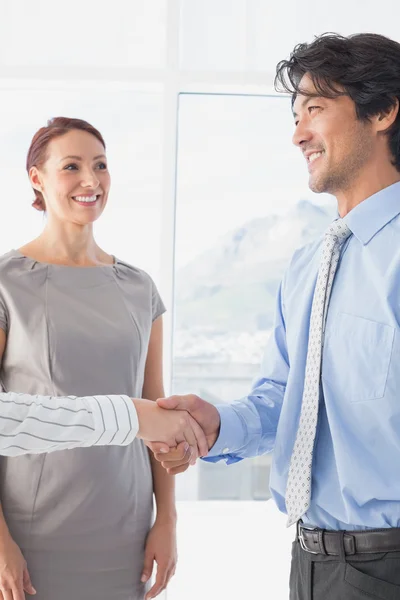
x=356 y=357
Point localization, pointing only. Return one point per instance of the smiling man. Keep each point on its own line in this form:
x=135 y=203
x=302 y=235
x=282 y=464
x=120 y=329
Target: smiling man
x=327 y=400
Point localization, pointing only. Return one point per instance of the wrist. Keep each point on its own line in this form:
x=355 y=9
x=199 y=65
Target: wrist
x=140 y=406
x=212 y=438
x=5 y=534
x=166 y=517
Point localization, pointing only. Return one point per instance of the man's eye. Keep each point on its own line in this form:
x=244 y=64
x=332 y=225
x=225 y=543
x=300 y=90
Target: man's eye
x=311 y=108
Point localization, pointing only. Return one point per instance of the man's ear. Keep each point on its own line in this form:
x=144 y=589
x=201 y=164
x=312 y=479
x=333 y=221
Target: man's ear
x=386 y=118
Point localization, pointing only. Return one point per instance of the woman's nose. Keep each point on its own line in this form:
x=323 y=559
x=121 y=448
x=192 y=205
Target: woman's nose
x=90 y=180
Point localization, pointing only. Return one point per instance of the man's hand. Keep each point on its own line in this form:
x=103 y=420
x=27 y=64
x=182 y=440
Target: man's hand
x=176 y=460
x=171 y=427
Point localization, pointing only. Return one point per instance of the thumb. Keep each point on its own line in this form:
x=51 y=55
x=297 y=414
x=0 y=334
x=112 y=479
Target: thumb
x=28 y=587
x=169 y=403
x=147 y=567
x=186 y=402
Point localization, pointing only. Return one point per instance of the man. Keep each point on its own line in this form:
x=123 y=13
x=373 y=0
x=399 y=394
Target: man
x=327 y=400
x=36 y=424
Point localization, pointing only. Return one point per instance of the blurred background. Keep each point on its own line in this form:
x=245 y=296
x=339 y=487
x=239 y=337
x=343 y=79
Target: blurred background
x=208 y=195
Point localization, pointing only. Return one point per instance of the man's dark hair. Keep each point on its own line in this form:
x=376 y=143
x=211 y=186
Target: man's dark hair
x=365 y=65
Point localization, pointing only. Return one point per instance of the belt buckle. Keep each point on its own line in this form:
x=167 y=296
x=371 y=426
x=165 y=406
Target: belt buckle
x=300 y=526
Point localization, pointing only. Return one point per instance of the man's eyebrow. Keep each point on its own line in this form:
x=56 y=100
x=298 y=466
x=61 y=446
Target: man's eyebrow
x=306 y=100
x=80 y=157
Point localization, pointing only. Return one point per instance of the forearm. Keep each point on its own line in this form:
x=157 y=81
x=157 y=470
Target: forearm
x=36 y=424
x=4 y=531
x=164 y=491
x=248 y=427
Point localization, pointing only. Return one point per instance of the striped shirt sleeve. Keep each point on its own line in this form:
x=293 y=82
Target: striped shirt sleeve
x=36 y=424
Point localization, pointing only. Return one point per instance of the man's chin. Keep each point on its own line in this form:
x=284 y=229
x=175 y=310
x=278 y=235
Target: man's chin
x=316 y=185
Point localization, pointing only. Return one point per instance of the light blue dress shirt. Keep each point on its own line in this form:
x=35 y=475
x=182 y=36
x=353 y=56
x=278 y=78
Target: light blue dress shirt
x=356 y=465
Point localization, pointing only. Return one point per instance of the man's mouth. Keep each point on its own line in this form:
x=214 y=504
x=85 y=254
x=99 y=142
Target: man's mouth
x=314 y=156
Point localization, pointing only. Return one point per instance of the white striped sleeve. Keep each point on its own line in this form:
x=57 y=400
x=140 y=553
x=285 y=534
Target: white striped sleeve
x=36 y=424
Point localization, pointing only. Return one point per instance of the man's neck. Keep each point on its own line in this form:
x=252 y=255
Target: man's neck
x=351 y=197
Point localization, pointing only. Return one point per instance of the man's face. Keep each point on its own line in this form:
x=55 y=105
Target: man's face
x=335 y=144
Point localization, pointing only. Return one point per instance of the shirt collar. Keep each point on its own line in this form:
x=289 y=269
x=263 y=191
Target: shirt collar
x=371 y=215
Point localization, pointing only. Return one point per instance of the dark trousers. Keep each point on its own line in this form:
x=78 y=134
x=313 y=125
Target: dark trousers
x=319 y=577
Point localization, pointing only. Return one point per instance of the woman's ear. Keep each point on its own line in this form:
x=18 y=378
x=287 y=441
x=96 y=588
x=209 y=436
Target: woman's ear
x=35 y=178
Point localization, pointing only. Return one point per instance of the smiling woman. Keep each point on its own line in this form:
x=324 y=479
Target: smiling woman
x=49 y=166
x=77 y=318
x=63 y=181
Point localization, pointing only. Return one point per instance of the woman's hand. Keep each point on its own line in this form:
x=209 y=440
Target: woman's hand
x=14 y=575
x=169 y=426
x=177 y=460
x=161 y=548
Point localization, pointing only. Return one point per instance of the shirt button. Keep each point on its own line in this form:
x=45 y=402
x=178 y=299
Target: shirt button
x=225 y=451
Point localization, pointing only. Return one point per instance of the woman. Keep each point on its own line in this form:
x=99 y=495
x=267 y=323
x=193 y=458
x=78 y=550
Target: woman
x=79 y=321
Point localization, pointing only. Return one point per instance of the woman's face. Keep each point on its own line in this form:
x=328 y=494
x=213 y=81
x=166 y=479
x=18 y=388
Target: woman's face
x=74 y=180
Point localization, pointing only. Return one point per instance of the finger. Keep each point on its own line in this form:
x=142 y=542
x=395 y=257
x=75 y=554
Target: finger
x=159 y=583
x=170 y=574
x=16 y=593
x=197 y=438
x=147 y=568
x=158 y=447
x=173 y=464
x=8 y=594
x=187 y=402
x=27 y=583
x=181 y=454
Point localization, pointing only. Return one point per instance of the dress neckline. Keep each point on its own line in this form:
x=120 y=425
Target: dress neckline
x=19 y=254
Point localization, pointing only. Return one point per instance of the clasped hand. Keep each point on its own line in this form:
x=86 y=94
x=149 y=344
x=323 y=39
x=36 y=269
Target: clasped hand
x=179 y=429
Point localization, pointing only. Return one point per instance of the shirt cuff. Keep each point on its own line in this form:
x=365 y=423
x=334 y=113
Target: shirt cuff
x=231 y=435
x=115 y=420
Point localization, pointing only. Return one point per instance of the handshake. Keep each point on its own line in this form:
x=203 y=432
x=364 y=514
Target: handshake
x=178 y=430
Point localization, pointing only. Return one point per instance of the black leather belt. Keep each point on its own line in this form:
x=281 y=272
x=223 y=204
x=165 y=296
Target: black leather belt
x=322 y=541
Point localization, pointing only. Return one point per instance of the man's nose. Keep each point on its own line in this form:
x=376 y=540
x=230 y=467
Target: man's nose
x=302 y=134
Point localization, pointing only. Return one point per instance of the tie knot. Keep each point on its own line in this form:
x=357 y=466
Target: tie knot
x=339 y=230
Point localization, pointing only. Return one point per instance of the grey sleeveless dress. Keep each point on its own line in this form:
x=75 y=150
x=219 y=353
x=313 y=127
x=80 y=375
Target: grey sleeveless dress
x=80 y=516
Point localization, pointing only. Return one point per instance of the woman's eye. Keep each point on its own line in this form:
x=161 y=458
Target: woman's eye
x=70 y=167
x=102 y=166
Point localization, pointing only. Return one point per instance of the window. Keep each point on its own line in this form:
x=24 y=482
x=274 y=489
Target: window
x=84 y=34
x=242 y=207
x=131 y=121
x=207 y=192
